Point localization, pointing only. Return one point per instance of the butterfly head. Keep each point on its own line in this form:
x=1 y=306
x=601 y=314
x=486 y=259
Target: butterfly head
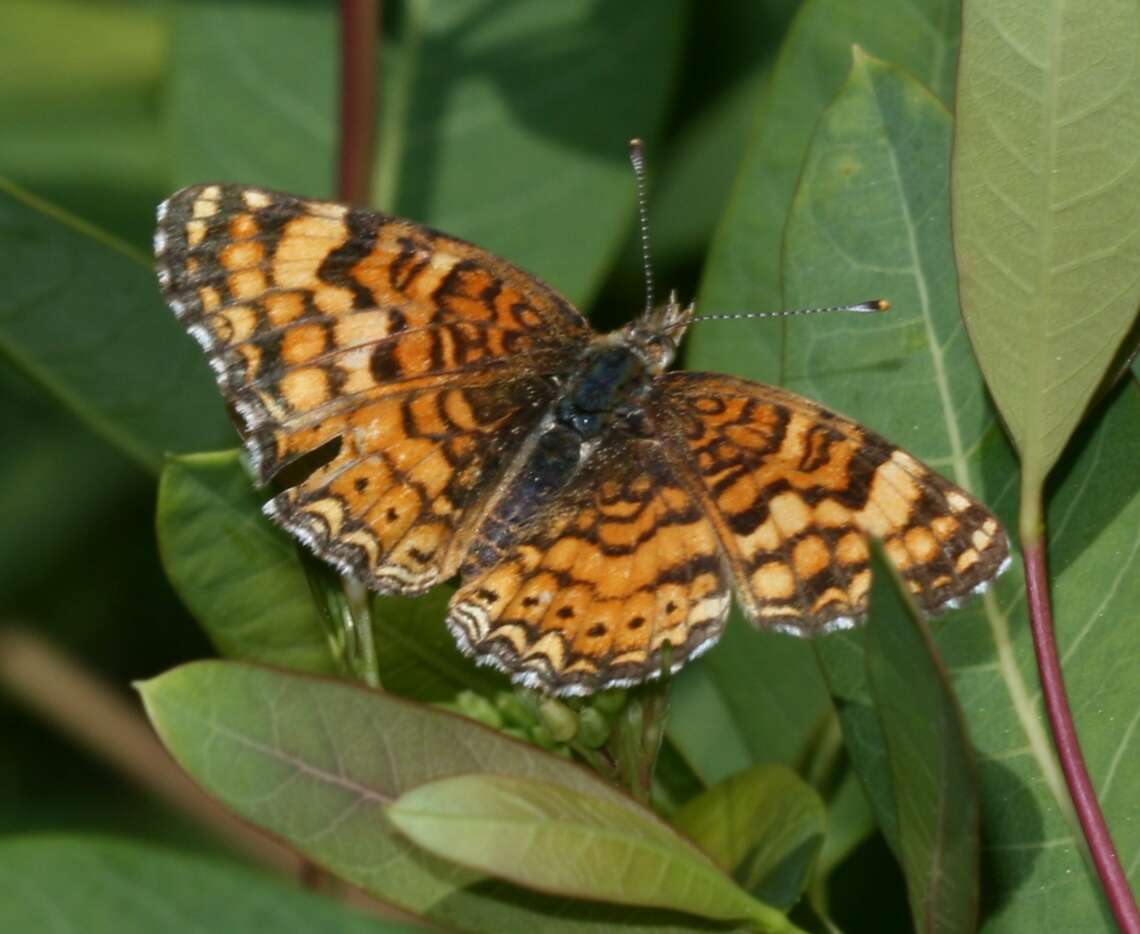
x=656 y=335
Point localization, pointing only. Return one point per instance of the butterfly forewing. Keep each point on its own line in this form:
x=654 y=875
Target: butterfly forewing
x=423 y=356
x=309 y=310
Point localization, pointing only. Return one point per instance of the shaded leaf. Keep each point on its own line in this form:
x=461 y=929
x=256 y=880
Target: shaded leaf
x=872 y=217
x=80 y=314
x=743 y=269
x=556 y=839
x=80 y=127
x=418 y=657
x=506 y=123
x=93 y=885
x=238 y=573
x=275 y=67
x=770 y=683
x=1046 y=194
x=764 y=825
x=931 y=762
x=317 y=762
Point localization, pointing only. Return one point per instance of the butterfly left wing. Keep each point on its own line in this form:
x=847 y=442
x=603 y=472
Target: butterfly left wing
x=794 y=491
x=424 y=357
x=620 y=563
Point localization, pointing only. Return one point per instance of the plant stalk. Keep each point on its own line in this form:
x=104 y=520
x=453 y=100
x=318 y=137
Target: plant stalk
x=359 y=37
x=1081 y=789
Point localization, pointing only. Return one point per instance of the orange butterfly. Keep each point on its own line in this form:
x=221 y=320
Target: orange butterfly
x=598 y=508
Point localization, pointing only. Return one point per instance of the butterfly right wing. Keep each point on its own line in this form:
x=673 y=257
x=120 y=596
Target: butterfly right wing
x=426 y=357
x=795 y=491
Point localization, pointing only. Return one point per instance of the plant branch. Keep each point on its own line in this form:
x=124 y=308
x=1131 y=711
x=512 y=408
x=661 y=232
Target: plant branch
x=1081 y=789
x=359 y=37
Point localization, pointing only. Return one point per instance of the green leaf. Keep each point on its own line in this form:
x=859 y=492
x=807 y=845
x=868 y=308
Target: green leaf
x=872 y=217
x=768 y=685
x=743 y=268
x=94 y=885
x=317 y=762
x=1046 y=184
x=931 y=762
x=252 y=95
x=765 y=826
x=762 y=689
x=80 y=314
x=238 y=573
x=79 y=123
x=507 y=122
x=418 y=657
x=556 y=839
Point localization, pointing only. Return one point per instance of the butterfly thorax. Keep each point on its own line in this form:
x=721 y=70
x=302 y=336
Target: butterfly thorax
x=608 y=378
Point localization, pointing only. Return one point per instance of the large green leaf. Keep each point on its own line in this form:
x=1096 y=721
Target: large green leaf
x=743 y=269
x=557 y=839
x=237 y=572
x=769 y=685
x=317 y=762
x=93 y=885
x=252 y=95
x=764 y=825
x=506 y=123
x=80 y=313
x=872 y=212
x=1046 y=188
x=934 y=786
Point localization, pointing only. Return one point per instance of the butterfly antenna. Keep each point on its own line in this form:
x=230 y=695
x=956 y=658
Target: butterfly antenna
x=875 y=304
x=637 y=159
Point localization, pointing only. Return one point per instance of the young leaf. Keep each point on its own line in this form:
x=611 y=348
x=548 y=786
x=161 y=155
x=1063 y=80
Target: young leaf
x=931 y=762
x=561 y=840
x=764 y=826
x=238 y=573
x=317 y=763
x=872 y=214
x=80 y=313
x=98 y=886
x=1046 y=188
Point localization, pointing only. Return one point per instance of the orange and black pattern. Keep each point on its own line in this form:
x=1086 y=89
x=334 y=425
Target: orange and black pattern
x=600 y=510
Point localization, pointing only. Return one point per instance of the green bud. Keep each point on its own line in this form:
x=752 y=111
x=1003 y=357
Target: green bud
x=514 y=709
x=593 y=728
x=540 y=736
x=610 y=702
x=560 y=720
x=477 y=707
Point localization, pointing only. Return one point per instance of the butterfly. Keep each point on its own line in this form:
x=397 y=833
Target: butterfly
x=600 y=509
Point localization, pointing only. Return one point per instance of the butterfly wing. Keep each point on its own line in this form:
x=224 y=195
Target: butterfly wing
x=423 y=355
x=621 y=562
x=794 y=491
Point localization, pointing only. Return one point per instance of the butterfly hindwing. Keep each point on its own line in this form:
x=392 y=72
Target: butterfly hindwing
x=620 y=562
x=795 y=490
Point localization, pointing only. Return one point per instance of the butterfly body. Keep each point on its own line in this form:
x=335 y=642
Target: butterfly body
x=600 y=510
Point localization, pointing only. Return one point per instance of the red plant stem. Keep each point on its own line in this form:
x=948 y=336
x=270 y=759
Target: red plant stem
x=1096 y=832
x=359 y=36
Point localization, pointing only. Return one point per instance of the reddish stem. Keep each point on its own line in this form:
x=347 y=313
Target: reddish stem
x=359 y=36
x=1081 y=789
